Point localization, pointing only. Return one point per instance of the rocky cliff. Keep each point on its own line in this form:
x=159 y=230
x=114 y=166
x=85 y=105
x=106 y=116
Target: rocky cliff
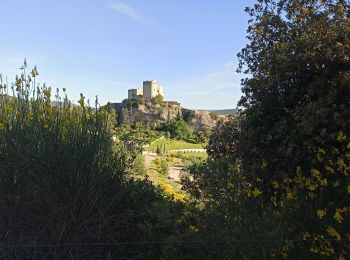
x=149 y=112
x=146 y=111
x=201 y=120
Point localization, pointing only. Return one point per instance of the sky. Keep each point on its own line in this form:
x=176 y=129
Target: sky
x=105 y=47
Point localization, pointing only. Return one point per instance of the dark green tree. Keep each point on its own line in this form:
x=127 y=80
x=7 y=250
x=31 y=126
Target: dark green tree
x=296 y=97
x=178 y=129
x=288 y=153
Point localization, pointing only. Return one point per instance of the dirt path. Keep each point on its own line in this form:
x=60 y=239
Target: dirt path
x=173 y=172
x=149 y=158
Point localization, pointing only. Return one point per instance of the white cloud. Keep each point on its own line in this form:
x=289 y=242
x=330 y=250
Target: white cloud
x=217 y=89
x=137 y=16
x=131 y=12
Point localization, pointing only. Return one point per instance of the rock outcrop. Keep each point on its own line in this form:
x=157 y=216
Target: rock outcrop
x=149 y=112
x=146 y=111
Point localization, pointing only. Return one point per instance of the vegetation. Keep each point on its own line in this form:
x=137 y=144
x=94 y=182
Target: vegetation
x=137 y=134
x=164 y=169
x=64 y=182
x=138 y=167
x=178 y=129
x=171 y=144
x=170 y=188
x=280 y=171
x=274 y=185
x=158 y=100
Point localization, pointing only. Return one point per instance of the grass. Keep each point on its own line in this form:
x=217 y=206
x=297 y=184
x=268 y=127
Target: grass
x=171 y=144
x=169 y=186
x=196 y=155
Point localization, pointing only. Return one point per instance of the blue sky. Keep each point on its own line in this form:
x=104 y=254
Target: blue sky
x=99 y=47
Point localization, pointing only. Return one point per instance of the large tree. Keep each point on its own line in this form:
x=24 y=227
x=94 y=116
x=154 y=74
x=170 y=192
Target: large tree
x=288 y=160
x=297 y=93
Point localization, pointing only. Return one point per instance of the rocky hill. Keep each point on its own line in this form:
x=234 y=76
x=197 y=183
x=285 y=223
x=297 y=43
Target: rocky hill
x=153 y=113
x=146 y=111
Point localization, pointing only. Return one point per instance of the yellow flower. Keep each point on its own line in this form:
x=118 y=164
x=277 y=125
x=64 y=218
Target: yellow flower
x=320 y=154
x=338 y=217
x=275 y=184
x=333 y=233
x=193 y=228
x=323 y=182
x=306 y=235
x=348 y=188
x=2 y=126
x=321 y=213
x=341 y=136
x=290 y=195
x=256 y=192
x=329 y=169
x=263 y=164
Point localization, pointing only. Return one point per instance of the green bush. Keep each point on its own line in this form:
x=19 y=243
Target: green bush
x=164 y=169
x=139 y=166
x=63 y=181
x=178 y=129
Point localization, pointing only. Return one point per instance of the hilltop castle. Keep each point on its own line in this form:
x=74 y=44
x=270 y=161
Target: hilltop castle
x=150 y=89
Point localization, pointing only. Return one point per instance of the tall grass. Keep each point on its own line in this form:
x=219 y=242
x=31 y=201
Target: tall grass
x=63 y=183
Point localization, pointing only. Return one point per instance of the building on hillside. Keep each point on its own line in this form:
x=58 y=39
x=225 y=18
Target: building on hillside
x=135 y=93
x=150 y=89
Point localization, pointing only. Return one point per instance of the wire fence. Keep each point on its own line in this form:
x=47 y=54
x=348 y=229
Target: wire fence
x=176 y=249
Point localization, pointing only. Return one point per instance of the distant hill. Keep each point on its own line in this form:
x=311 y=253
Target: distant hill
x=225 y=112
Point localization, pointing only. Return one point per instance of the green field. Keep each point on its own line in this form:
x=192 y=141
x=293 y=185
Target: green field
x=201 y=156
x=171 y=144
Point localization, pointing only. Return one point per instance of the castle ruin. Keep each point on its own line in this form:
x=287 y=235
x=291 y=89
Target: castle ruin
x=150 y=89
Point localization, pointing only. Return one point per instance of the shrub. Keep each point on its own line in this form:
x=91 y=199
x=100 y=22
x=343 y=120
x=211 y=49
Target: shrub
x=63 y=181
x=178 y=129
x=139 y=166
x=164 y=167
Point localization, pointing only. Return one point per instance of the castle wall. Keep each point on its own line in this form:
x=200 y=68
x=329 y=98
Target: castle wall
x=135 y=93
x=151 y=89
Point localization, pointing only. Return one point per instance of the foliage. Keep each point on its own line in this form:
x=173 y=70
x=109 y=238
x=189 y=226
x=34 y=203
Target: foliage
x=171 y=144
x=164 y=167
x=295 y=99
x=63 y=181
x=137 y=135
x=280 y=172
x=296 y=106
x=138 y=167
x=158 y=100
x=178 y=129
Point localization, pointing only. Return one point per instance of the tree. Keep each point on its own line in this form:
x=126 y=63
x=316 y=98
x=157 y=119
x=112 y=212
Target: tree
x=178 y=129
x=139 y=166
x=295 y=99
x=296 y=106
x=288 y=162
x=158 y=100
x=164 y=167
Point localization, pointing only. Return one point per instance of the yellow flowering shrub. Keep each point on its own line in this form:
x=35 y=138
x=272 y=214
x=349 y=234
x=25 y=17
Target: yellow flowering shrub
x=319 y=196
